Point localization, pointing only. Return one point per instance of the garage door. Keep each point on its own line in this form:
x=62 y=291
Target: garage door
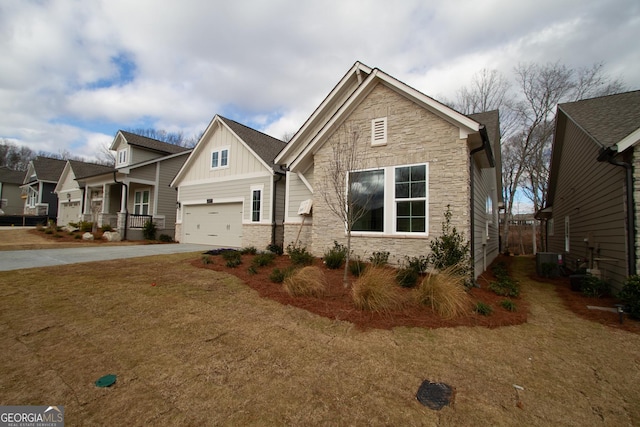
x=69 y=212
x=215 y=224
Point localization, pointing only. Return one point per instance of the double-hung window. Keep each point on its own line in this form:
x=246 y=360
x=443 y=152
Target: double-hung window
x=141 y=202
x=256 y=204
x=220 y=158
x=390 y=200
x=122 y=156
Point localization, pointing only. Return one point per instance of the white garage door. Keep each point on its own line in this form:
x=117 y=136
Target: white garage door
x=69 y=212
x=215 y=224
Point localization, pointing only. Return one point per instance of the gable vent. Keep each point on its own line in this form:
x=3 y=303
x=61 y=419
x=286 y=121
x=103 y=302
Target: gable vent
x=379 y=131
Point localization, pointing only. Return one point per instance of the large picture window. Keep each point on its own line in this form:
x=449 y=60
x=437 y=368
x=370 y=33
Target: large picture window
x=391 y=200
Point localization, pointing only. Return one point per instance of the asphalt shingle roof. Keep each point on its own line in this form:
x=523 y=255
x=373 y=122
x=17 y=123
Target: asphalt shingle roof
x=84 y=169
x=48 y=169
x=265 y=146
x=152 y=144
x=10 y=176
x=491 y=121
x=608 y=119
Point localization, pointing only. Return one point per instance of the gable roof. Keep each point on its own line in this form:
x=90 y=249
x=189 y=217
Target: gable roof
x=46 y=169
x=264 y=147
x=608 y=120
x=10 y=176
x=84 y=169
x=150 y=143
x=302 y=145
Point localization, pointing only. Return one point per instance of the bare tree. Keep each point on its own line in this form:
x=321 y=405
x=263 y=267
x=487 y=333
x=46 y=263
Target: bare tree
x=347 y=197
x=175 y=138
x=15 y=157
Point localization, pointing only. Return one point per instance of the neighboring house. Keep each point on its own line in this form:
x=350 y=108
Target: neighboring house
x=70 y=189
x=230 y=192
x=593 y=204
x=137 y=190
x=419 y=156
x=38 y=185
x=11 y=202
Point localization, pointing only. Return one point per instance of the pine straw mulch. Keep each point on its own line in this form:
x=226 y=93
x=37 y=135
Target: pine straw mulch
x=577 y=303
x=337 y=303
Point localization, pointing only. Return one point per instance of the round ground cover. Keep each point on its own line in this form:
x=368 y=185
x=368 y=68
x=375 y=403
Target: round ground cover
x=337 y=302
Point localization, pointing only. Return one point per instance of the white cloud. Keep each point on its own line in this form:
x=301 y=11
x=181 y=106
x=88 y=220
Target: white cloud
x=269 y=63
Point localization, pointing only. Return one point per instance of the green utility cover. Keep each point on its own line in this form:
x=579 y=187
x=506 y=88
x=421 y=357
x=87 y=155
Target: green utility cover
x=106 y=381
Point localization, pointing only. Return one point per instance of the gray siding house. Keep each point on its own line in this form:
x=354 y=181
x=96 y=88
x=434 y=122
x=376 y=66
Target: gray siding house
x=593 y=202
x=39 y=184
x=11 y=202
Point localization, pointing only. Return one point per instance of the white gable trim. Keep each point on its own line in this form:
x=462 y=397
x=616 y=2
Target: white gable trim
x=630 y=140
x=63 y=177
x=253 y=153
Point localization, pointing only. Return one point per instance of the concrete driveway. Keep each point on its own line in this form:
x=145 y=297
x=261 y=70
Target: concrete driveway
x=16 y=260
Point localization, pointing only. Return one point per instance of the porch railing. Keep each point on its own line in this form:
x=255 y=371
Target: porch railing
x=138 y=221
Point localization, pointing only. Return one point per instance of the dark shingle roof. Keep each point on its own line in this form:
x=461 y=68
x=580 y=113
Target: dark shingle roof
x=83 y=169
x=152 y=144
x=10 y=176
x=48 y=169
x=491 y=121
x=265 y=146
x=608 y=119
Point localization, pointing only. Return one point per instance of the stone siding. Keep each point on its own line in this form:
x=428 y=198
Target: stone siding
x=256 y=235
x=414 y=135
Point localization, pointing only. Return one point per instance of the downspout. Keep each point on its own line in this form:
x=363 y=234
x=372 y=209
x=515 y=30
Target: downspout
x=126 y=205
x=472 y=216
x=273 y=208
x=608 y=155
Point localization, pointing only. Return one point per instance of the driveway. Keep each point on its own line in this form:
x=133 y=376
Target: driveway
x=16 y=260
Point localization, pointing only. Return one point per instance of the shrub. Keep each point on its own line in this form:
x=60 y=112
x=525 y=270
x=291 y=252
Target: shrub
x=375 y=290
x=445 y=292
x=77 y=237
x=264 y=259
x=58 y=235
x=106 y=227
x=450 y=249
x=85 y=226
x=506 y=287
x=483 y=309
x=230 y=255
x=278 y=275
x=250 y=250
x=308 y=281
x=407 y=277
x=356 y=266
x=593 y=286
x=418 y=264
x=299 y=255
x=508 y=305
x=252 y=270
x=206 y=259
x=499 y=270
x=276 y=249
x=335 y=257
x=379 y=258
x=149 y=230
x=630 y=295
x=233 y=263
x=48 y=231
x=165 y=238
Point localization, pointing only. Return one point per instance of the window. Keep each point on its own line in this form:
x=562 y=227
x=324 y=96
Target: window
x=122 y=156
x=141 y=202
x=390 y=200
x=256 y=203
x=489 y=209
x=220 y=158
x=33 y=197
x=566 y=234
x=379 y=131
x=366 y=192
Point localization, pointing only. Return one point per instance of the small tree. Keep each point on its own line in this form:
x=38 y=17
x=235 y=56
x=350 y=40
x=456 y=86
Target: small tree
x=451 y=248
x=348 y=200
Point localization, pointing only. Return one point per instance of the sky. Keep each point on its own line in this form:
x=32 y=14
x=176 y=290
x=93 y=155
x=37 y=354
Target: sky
x=72 y=73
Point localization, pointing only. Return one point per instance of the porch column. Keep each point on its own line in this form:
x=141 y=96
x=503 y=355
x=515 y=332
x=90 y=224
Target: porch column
x=105 y=198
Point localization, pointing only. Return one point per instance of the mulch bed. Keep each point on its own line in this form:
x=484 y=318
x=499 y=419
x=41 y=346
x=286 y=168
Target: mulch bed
x=337 y=303
x=577 y=303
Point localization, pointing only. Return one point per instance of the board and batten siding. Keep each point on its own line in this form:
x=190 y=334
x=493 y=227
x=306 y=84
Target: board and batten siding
x=224 y=191
x=241 y=160
x=592 y=195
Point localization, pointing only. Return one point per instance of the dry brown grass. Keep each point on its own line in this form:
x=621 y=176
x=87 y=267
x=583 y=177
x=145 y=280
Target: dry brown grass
x=376 y=290
x=445 y=292
x=201 y=348
x=308 y=281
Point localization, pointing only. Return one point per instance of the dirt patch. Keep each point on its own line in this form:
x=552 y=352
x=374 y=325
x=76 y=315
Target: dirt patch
x=337 y=303
x=578 y=304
